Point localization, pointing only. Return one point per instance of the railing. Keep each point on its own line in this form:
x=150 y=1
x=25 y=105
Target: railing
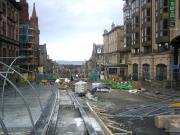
x=9 y=68
x=24 y=100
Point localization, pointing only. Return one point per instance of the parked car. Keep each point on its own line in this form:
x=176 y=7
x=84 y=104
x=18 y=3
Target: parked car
x=101 y=88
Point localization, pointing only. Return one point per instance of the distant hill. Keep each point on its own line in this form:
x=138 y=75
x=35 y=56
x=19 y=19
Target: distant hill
x=64 y=62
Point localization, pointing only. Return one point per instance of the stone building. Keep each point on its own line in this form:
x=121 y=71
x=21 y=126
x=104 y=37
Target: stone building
x=96 y=59
x=115 y=60
x=9 y=30
x=155 y=38
x=43 y=57
x=29 y=40
x=35 y=25
x=127 y=36
x=88 y=66
x=98 y=50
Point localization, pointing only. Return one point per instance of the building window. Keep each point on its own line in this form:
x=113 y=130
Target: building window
x=4 y=54
x=163 y=6
x=143 y=2
x=161 y=72
x=4 y=28
x=146 y=71
x=165 y=3
x=0 y=50
x=17 y=34
x=148 y=49
x=135 y=6
x=163 y=47
x=0 y=19
x=165 y=23
x=163 y=27
x=148 y=12
x=112 y=71
x=135 y=72
x=179 y=9
x=136 y=19
x=4 y=8
x=9 y=30
x=148 y=31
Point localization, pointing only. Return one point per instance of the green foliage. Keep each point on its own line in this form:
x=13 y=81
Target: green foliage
x=116 y=85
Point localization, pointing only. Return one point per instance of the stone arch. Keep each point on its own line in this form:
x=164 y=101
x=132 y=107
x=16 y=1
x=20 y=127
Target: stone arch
x=176 y=44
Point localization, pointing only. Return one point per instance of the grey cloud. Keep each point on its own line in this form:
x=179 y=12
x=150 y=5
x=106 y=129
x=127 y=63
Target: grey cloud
x=59 y=20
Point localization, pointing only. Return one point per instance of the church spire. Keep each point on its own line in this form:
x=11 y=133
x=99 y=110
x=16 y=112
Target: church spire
x=34 y=18
x=34 y=11
x=34 y=24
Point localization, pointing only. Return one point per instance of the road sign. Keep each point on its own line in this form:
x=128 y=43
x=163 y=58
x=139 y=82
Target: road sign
x=173 y=66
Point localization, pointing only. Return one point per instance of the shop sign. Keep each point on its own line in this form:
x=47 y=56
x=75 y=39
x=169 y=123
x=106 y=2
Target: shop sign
x=172 y=12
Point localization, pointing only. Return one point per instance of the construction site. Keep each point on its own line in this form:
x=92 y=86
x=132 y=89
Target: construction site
x=87 y=107
x=129 y=84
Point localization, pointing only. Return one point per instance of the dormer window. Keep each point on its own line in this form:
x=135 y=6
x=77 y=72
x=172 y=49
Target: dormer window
x=98 y=50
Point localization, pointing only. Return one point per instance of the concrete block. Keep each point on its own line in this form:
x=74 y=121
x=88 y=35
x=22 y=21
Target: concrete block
x=163 y=121
x=160 y=121
x=174 y=125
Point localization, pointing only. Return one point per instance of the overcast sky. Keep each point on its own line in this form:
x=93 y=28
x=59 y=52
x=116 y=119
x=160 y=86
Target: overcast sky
x=70 y=27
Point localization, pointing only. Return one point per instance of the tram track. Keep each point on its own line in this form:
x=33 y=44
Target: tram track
x=76 y=112
x=73 y=116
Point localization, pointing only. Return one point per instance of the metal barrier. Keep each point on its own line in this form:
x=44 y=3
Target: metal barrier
x=150 y=110
x=3 y=127
x=24 y=100
x=9 y=67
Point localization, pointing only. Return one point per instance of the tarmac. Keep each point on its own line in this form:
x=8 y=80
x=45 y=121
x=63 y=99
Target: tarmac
x=16 y=117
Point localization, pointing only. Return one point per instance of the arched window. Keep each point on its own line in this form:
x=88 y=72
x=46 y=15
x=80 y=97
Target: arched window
x=146 y=71
x=161 y=72
x=135 y=72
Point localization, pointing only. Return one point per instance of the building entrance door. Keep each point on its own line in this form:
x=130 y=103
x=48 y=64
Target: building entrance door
x=176 y=72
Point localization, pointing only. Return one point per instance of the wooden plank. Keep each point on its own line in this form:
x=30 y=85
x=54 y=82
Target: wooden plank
x=103 y=126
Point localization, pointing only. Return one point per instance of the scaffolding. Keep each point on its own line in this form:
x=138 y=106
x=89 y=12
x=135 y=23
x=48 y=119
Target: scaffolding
x=23 y=35
x=27 y=49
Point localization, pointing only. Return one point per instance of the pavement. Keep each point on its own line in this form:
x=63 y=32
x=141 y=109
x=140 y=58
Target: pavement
x=16 y=117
